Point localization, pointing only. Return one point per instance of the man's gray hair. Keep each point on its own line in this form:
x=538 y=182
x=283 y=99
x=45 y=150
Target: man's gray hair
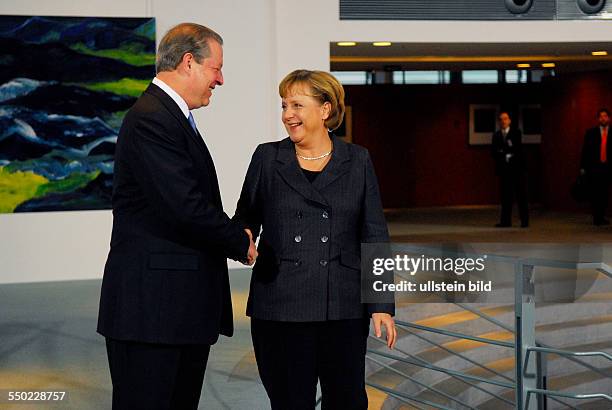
x=184 y=38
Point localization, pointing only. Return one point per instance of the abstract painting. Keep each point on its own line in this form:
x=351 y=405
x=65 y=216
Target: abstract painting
x=65 y=85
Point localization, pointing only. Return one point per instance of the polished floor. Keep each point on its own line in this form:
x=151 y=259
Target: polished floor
x=477 y=224
x=48 y=339
x=48 y=342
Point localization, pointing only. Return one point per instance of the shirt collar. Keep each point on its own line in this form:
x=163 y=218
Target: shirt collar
x=174 y=95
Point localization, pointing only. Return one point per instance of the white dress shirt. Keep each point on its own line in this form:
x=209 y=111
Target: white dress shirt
x=174 y=95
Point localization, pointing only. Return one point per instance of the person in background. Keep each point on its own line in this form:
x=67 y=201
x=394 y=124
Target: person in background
x=595 y=166
x=507 y=150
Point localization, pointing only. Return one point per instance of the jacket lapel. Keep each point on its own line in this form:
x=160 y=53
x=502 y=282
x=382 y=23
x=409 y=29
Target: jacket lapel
x=338 y=165
x=176 y=112
x=292 y=174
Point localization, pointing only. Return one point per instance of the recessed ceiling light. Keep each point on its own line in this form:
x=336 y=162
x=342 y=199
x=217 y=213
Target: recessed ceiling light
x=548 y=65
x=381 y=44
x=523 y=65
x=600 y=53
x=346 y=43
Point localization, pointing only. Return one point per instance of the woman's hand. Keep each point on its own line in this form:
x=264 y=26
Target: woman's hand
x=387 y=321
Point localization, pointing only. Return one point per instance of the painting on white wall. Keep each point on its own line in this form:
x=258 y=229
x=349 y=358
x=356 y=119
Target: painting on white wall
x=65 y=85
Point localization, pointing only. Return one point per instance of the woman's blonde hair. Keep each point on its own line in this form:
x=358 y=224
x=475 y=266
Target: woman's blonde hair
x=323 y=86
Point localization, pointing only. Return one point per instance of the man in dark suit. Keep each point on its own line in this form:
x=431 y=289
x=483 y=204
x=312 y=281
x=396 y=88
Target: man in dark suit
x=165 y=294
x=507 y=150
x=595 y=165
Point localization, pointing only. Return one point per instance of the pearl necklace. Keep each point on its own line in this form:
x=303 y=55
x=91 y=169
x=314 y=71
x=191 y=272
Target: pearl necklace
x=313 y=158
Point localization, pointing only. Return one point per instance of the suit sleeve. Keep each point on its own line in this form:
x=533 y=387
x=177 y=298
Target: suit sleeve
x=374 y=226
x=249 y=210
x=165 y=172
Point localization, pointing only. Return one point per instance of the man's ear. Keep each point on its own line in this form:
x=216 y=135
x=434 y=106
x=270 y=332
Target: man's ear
x=186 y=61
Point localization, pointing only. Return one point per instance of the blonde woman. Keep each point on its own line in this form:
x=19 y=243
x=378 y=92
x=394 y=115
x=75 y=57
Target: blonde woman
x=315 y=199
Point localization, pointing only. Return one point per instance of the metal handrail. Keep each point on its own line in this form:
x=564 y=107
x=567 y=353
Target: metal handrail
x=455 y=334
x=391 y=393
x=520 y=264
x=569 y=395
x=485 y=316
x=469 y=383
x=539 y=342
x=405 y=397
x=599 y=266
x=567 y=352
x=415 y=381
x=464 y=357
x=511 y=330
x=447 y=371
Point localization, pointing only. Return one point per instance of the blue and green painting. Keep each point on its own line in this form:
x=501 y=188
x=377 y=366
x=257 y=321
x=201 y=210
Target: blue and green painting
x=65 y=85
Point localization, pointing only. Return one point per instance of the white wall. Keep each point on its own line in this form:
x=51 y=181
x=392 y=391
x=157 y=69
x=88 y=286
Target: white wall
x=264 y=40
x=74 y=245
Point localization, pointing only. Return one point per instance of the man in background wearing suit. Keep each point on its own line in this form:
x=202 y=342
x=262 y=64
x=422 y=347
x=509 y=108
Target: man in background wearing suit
x=165 y=294
x=507 y=150
x=595 y=165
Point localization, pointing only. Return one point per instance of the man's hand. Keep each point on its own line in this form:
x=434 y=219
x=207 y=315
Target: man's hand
x=252 y=254
x=387 y=321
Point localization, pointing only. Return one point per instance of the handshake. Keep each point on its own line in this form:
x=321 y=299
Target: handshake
x=252 y=254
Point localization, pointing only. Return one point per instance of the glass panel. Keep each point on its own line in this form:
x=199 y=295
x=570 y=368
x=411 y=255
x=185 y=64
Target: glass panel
x=512 y=76
x=351 y=77
x=536 y=76
x=479 y=77
x=422 y=77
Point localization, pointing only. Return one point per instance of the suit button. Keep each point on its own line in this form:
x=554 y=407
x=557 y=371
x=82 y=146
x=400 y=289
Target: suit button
x=298 y=238
x=299 y=214
x=324 y=239
x=297 y=262
x=325 y=215
x=323 y=262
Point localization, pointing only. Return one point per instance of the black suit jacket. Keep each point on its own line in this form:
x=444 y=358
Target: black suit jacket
x=165 y=279
x=513 y=145
x=308 y=267
x=591 y=151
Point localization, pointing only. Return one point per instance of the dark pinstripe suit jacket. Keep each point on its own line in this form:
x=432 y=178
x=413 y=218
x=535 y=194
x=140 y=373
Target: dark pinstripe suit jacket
x=309 y=251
